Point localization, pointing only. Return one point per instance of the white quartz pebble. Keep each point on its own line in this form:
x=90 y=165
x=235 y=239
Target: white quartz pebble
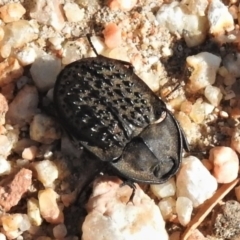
x=5 y=166
x=163 y=190
x=110 y=216
x=2 y=236
x=26 y=55
x=5 y=146
x=194 y=181
x=44 y=71
x=205 y=66
x=219 y=18
x=177 y=19
x=184 y=209
x=47 y=172
x=213 y=95
x=73 y=12
x=167 y=207
x=225 y=164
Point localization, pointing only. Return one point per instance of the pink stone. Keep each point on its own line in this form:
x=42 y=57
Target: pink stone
x=111 y=216
x=112 y=35
x=225 y=164
x=13 y=187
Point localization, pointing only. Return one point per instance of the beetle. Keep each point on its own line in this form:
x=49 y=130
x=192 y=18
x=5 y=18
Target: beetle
x=112 y=113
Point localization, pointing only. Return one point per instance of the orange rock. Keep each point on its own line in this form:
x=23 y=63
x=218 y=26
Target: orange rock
x=112 y=35
x=12 y=188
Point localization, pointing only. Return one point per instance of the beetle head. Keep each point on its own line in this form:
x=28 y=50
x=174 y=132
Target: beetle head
x=155 y=155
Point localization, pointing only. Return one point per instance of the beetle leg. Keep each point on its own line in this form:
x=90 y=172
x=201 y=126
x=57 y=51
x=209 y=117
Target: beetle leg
x=132 y=185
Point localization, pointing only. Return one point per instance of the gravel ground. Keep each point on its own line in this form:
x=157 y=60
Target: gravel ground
x=186 y=51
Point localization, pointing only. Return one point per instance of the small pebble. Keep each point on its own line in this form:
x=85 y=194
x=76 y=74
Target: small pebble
x=18 y=34
x=5 y=166
x=48 y=12
x=44 y=129
x=73 y=12
x=220 y=19
x=225 y=164
x=184 y=208
x=5 y=146
x=24 y=106
x=163 y=190
x=26 y=55
x=197 y=113
x=125 y=5
x=205 y=67
x=223 y=114
x=49 y=208
x=29 y=153
x=112 y=35
x=194 y=181
x=213 y=95
x=195 y=26
x=47 y=172
x=12 y=12
x=44 y=71
x=33 y=212
x=15 y=223
x=167 y=207
x=14 y=187
x=60 y=231
x=10 y=70
x=112 y=216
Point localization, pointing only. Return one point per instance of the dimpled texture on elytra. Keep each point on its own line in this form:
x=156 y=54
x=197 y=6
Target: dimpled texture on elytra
x=103 y=104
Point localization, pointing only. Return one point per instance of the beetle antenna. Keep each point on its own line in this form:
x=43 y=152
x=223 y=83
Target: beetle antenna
x=92 y=46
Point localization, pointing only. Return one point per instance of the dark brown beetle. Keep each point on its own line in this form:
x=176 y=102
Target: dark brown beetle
x=111 y=112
